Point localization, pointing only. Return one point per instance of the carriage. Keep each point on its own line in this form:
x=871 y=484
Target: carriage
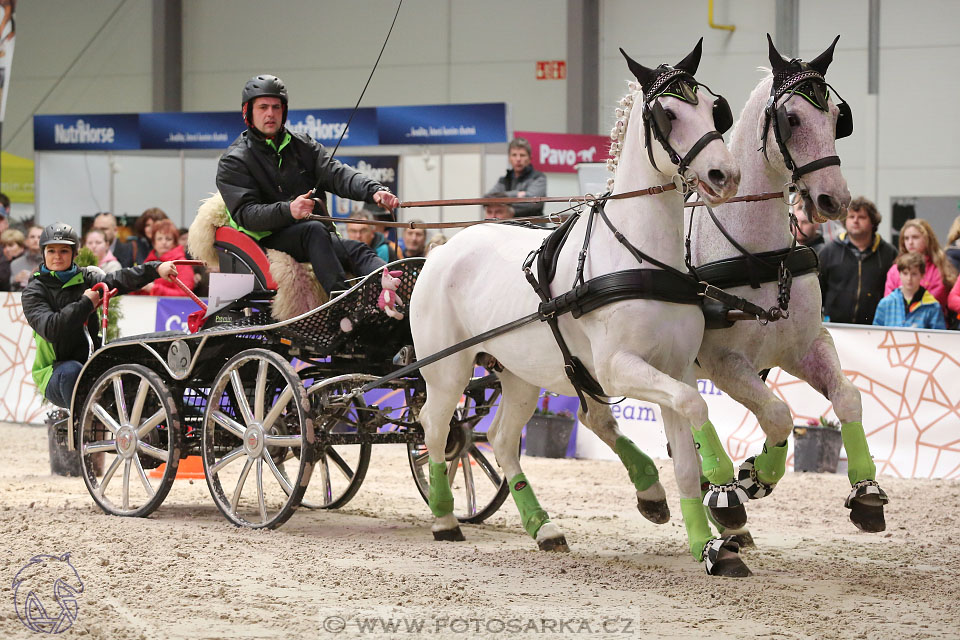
x=268 y=405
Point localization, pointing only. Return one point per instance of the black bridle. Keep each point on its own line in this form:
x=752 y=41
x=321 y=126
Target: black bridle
x=777 y=117
x=682 y=85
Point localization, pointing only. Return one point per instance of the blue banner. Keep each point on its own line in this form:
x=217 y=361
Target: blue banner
x=443 y=124
x=190 y=130
x=172 y=313
x=87 y=132
x=383 y=169
x=326 y=125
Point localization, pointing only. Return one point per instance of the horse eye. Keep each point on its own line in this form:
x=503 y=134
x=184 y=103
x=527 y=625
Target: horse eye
x=793 y=120
x=670 y=114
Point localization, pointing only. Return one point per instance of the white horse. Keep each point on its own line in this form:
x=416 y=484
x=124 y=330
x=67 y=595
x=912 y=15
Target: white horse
x=799 y=344
x=639 y=348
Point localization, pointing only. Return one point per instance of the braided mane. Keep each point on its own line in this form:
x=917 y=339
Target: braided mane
x=620 y=128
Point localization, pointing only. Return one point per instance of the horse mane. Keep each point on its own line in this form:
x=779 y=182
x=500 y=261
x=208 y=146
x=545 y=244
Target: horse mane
x=619 y=130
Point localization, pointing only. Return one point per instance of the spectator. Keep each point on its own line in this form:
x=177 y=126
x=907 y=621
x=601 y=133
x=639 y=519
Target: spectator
x=124 y=252
x=853 y=267
x=166 y=249
x=521 y=180
x=4 y=205
x=953 y=244
x=29 y=261
x=414 y=241
x=910 y=305
x=917 y=236
x=385 y=249
x=143 y=228
x=953 y=299
x=59 y=306
x=807 y=233
x=498 y=211
x=12 y=241
x=437 y=240
x=96 y=241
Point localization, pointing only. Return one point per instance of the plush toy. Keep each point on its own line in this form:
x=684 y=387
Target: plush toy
x=390 y=281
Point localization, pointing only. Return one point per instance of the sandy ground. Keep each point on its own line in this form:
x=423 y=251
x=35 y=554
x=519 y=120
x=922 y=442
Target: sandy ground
x=185 y=573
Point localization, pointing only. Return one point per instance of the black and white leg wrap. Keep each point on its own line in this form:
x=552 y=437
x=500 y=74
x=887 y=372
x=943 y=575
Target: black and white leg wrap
x=722 y=496
x=865 y=489
x=711 y=551
x=750 y=483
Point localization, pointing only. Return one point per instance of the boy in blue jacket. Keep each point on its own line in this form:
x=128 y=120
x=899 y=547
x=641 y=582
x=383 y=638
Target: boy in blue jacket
x=911 y=305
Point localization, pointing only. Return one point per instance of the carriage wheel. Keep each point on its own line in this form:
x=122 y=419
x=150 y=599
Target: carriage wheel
x=341 y=467
x=129 y=424
x=257 y=424
x=475 y=480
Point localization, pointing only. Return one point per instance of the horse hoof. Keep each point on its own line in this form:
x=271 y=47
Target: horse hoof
x=554 y=544
x=449 y=535
x=867 y=517
x=750 y=483
x=730 y=517
x=731 y=568
x=720 y=557
x=656 y=511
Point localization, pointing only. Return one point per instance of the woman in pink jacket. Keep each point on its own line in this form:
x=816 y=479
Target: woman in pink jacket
x=165 y=243
x=917 y=236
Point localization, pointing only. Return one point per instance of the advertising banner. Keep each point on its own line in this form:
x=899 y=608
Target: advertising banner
x=172 y=314
x=109 y=132
x=561 y=152
x=190 y=130
x=383 y=169
x=443 y=124
x=326 y=125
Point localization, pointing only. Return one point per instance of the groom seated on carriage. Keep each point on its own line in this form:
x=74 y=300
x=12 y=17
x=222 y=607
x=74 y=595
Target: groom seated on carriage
x=271 y=179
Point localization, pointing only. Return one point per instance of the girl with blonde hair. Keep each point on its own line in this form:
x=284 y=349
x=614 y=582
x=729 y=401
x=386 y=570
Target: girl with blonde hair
x=917 y=236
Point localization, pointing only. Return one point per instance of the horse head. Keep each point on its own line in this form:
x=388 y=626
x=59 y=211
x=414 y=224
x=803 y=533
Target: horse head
x=682 y=127
x=799 y=127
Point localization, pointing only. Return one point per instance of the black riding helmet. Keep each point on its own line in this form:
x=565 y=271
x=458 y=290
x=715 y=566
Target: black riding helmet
x=60 y=233
x=259 y=87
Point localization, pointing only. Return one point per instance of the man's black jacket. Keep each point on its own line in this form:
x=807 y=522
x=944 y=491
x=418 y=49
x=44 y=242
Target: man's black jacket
x=852 y=282
x=259 y=179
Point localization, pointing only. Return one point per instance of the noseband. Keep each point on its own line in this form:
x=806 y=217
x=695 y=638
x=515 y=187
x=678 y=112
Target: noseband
x=778 y=118
x=683 y=86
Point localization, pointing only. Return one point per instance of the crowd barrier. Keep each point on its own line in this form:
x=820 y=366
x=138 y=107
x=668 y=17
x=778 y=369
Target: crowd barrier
x=909 y=381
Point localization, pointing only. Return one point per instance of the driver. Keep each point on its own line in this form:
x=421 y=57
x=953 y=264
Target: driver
x=58 y=301
x=271 y=179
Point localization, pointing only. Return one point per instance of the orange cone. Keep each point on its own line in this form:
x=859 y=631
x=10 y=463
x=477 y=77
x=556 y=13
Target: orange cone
x=190 y=468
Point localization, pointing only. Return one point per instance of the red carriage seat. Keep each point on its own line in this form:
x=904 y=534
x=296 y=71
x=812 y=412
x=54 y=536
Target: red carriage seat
x=239 y=253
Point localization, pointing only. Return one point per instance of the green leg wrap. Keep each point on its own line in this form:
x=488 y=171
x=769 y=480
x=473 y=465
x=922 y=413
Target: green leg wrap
x=860 y=465
x=642 y=470
x=695 y=520
x=440 y=499
x=772 y=463
x=717 y=465
x=531 y=513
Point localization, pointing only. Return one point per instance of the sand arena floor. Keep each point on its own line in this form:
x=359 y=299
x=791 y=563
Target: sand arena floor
x=186 y=573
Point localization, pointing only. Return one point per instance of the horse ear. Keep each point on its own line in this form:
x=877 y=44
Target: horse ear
x=691 y=63
x=777 y=61
x=822 y=61
x=639 y=71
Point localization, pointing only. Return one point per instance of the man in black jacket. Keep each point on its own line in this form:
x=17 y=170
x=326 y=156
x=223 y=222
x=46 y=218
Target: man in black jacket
x=521 y=180
x=853 y=268
x=58 y=301
x=271 y=179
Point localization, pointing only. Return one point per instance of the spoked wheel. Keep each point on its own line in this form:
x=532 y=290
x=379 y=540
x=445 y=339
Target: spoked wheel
x=257 y=424
x=341 y=461
x=129 y=423
x=475 y=480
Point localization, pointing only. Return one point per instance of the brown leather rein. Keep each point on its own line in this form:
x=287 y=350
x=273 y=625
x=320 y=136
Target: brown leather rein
x=574 y=201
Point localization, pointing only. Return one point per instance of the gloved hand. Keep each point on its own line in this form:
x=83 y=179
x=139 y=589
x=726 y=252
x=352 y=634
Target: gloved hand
x=387 y=302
